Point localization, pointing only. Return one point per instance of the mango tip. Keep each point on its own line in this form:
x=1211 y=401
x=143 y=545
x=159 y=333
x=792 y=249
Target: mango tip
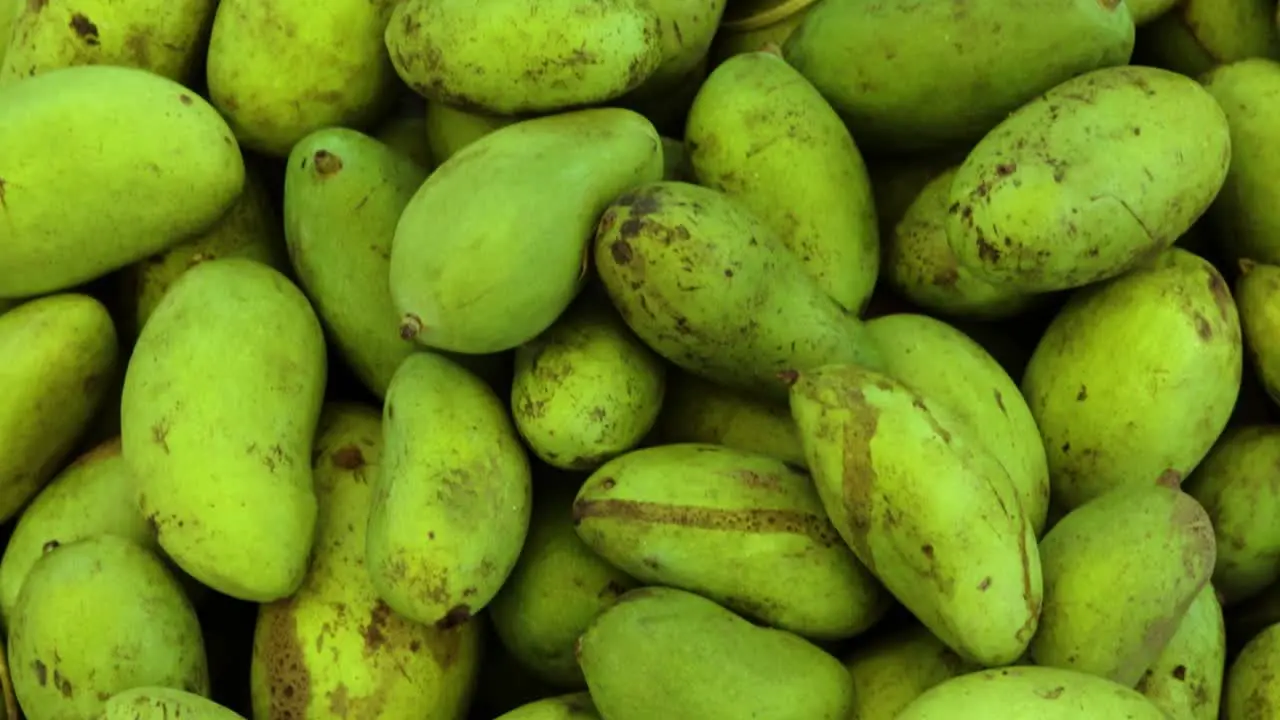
x=410 y=326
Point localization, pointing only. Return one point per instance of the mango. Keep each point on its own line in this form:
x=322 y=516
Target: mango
x=576 y=706
x=556 y=589
x=454 y=464
x=133 y=626
x=510 y=57
x=760 y=133
x=1030 y=692
x=220 y=442
x=1088 y=180
x=1197 y=35
x=450 y=129
x=166 y=38
x=1116 y=412
x=336 y=64
x=894 y=669
x=699 y=411
x=518 y=207
x=1186 y=680
x=334 y=638
x=161 y=703
x=1257 y=290
x=148 y=162
x=1251 y=691
x=407 y=135
x=60 y=360
x=708 y=662
x=909 y=76
x=925 y=506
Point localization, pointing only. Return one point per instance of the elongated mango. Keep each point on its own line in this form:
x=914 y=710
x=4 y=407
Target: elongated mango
x=1251 y=690
x=1186 y=680
x=1030 y=692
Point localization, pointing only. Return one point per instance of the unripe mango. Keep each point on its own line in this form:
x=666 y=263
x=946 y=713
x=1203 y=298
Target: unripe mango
x=577 y=706
x=1186 y=680
x=894 y=669
x=1251 y=689
x=695 y=410
x=1258 y=295
x=162 y=703
x=1030 y=692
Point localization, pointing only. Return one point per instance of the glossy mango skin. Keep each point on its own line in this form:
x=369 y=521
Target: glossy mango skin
x=1030 y=692
x=1186 y=680
x=161 y=703
x=1088 y=180
x=695 y=410
x=1256 y=292
x=1251 y=691
x=888 y=673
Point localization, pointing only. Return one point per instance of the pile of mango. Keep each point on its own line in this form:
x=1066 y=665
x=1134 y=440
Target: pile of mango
x=640 y=359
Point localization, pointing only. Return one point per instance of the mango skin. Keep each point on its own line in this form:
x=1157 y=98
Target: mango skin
x=1030 y=692
x=708 y=663
x=134 y=627
x=695 y=410
x=512 y=57
x=1186 y=680
x=894 y=669
x=1257 y=289
x=61 y=359
x=1198 y=35
x=960 y=556
x=161 y=703
x=1113 y=412
x=170 y=169
x=453 y=463
x=1251 y=692
x=334 y=649
x=518 y=206
x=759 y=132
x=220 y=442
x=881 y=64
x=577 y=706
x=450 y=129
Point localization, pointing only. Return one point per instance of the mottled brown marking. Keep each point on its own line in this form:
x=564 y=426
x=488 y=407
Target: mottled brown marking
x=160 y=435
x=326 y=163
x=988 y=252
x=374 y=631
x=1203 y=328
x=42 y=672
x=927 y=551
x=1006 y=169
x=63 y=684
x=288 y=680
x=1170 y=478
x=348 y=458
x=986 y=583
x=1180 y=673
x=85 y=28
x=753 y=520
x=1053 y=694
x=621 y=252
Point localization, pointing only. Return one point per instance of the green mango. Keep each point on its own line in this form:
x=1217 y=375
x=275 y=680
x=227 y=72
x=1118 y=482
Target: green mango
x=334 y=637
x=760 y=133
x=451 y=503
x=518 y=206
x=586 y=390
x=450 y=129
x=910 y=76
x=407 y=135
x=60 y=360
x=894 y=669
x=104 y=166
x=577 y=706
x=741 y=529
x=947 y=366
x=699 y=411
x=530 y=57
x=1235 y=484
x=1251 y=691
x=162 y=703
x=556 y=589
x=1042 y=203
x=96 y=617
x=219 y=409
x=925 y=506
x=1257 y=290
x=1186 y=680
x=1030 y=692
x=756 y=312
x=667 y=653
x=1114 y=411
x=163 y=37
x=1197 y=35
x=281 y=70
x=920 y=264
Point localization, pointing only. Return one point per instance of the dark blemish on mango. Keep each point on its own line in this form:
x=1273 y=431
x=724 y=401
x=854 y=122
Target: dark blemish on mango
x=1005 y=169
x=288 y=680
x=410 y=326
x=374 y=637
x=1053 y=694
x=1180 y=673
x=36 y=6
x=1083 y=394
x=1000 y=402
x=456 y=616
x=1203 y=328
x=988 y=252
x=348 y=458
x=160 y=435
x=927 y=551
x=621 y=249
x=185 y=99
x=1170 y=478
x=42 y=672
x=326 y=163
x=3 y=203
x=63 y=685
x=754 y=520
x=85 y=28
x=986 y=583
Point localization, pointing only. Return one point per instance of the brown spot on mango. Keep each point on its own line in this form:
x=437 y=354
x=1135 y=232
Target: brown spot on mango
x=288 y=679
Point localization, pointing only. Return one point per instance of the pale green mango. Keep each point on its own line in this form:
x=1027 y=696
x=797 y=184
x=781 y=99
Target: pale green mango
x=759 y=132
x=556 y=589
x=1251 y=691
x=577 y=706
x=1257 y=290
x=219 y=409
x=508 y=57
x=94 y=618
x=450 y=129
x=407 y=135
x=1115 y=411
x=666 y=653
x=894 y=669
x=756 y=312
x=1044 y=203
x=452 y=501
x=1030 y=692
x=1198 y=35
x=334 y=637
x=1186 y=680
x=908 y=76
x=60 y=361
x=517 y=207
x=700 y=411
x=162 y=703
x=147 y=162
x=925 y=506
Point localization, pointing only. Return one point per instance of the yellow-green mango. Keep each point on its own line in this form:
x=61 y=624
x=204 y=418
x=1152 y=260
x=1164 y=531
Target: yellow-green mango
x=704 y=282
x=334 y=650
x=920 y=264
x=280 y=70
x=452 y=500
x=508 y=57
x=1120 y=572
x=753 y=25
x=739 y=528
x=94 y=618
x=695 y=410
x=760 y=133
x=894 y=669
x=576 y=706
x=929 y=510
x=147 y=162
x=1186 y=680
x=948 y=367
x=1258 y=295
x=1088 y=180
x=707 y=662
x=1197 y=35
x=60 y=360
x=586 y=390
x=1251 y=691
x=1114 y=411
x=407 y=135
x=162 y=703
x=219 y=409
x=1030 y=692
x=450 y=129
x=909 y=76
x=556 y=589
x=1236 y=485
x=166 y=38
